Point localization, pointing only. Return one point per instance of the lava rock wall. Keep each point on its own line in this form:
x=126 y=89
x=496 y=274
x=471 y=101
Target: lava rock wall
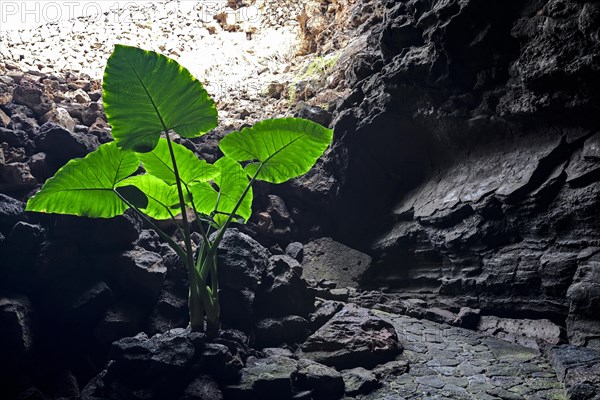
x=467 y=157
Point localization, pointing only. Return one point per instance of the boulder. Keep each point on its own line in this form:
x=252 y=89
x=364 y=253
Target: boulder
x=119 y=321
x=324 y=311
x=324 y=383
x=98 y=234
x=202 y=388
x=295 y=250
x=583 y=325
x=526 y=332
x=16 y=335
x=16 y=138
x=359 y=381
x=39 y=167
x=62 y=144
x=283 y=291
x=31 y=95
x=61 y=117
x=241 y=260
x=327 y=259
x=578 y=368
x=237 y=308
x=16 y=177
x=21 y=122
x=270 y=332
x=11 y=212
x=140 y=275
x=267 y=378
x=353 y=337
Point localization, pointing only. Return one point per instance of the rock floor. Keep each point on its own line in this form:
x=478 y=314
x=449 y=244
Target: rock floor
x=454 y=363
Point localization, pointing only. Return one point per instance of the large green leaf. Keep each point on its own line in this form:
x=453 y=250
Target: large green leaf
x=232 y=182
x=282 y=148
x=144 y=90
x=86 y=186
x=163 y=201
x=191 y=169
x=204 y=197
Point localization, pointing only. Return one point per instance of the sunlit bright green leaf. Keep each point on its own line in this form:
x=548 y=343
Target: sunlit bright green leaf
x=285 y=148
x=231 y=183
x=191 y=169
x=85 y=186
x=162 y=199
x=142 y=90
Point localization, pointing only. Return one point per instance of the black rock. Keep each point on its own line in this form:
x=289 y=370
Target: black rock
x=140 y=275
x=31 y=94
x=39 y=167
x=284 y=292
x=16 y=177
x=325 y=383
x=217 y=360
x=324 y=311
x=314 y=113
x=16 y=138
x=11 y=212
x=237 y=308
x=20 y=249
x=78 y=301
x=21 y=122
x=149 y=240
x=170 y=311
x=271 y=332
x=359 y=381
x=295 y=250
x=140 y=357
x=13 y=109
x=266 y=378
x=119 y=321
x=98 y=233
x=353 y=337
x=16 y=335
x=202 y=388
x=242 y=261
x=61 y=145
x=578 y=368
x=277 y=209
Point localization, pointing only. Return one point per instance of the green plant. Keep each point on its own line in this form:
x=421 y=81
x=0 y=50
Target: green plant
x=147 y=96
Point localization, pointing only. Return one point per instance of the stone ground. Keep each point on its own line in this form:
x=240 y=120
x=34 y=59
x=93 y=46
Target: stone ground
x=454 y=363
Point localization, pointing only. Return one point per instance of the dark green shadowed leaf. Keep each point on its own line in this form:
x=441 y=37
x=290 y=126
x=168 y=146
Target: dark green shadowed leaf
x=286 y=148
x=191 y=169
x=133 y=195
x=142 y=90
x=85 y=186
x=231 y=182
x=162 y=199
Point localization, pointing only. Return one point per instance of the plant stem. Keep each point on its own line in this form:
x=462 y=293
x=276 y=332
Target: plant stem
x=180 y=252
x=194 y=302
x=221 y=231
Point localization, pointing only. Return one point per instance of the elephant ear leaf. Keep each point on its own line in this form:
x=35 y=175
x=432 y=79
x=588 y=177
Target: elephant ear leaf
x=191 y=169
x=231 y=183
x=278 y=149
x=144 y=92
x=86 y=186
x=162 y=200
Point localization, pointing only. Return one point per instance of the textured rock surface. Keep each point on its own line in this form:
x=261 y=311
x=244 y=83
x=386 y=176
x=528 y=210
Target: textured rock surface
x=453 y=363
x=327 y=259
x=579 y=369
x=469 y=155
x=353 y=337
